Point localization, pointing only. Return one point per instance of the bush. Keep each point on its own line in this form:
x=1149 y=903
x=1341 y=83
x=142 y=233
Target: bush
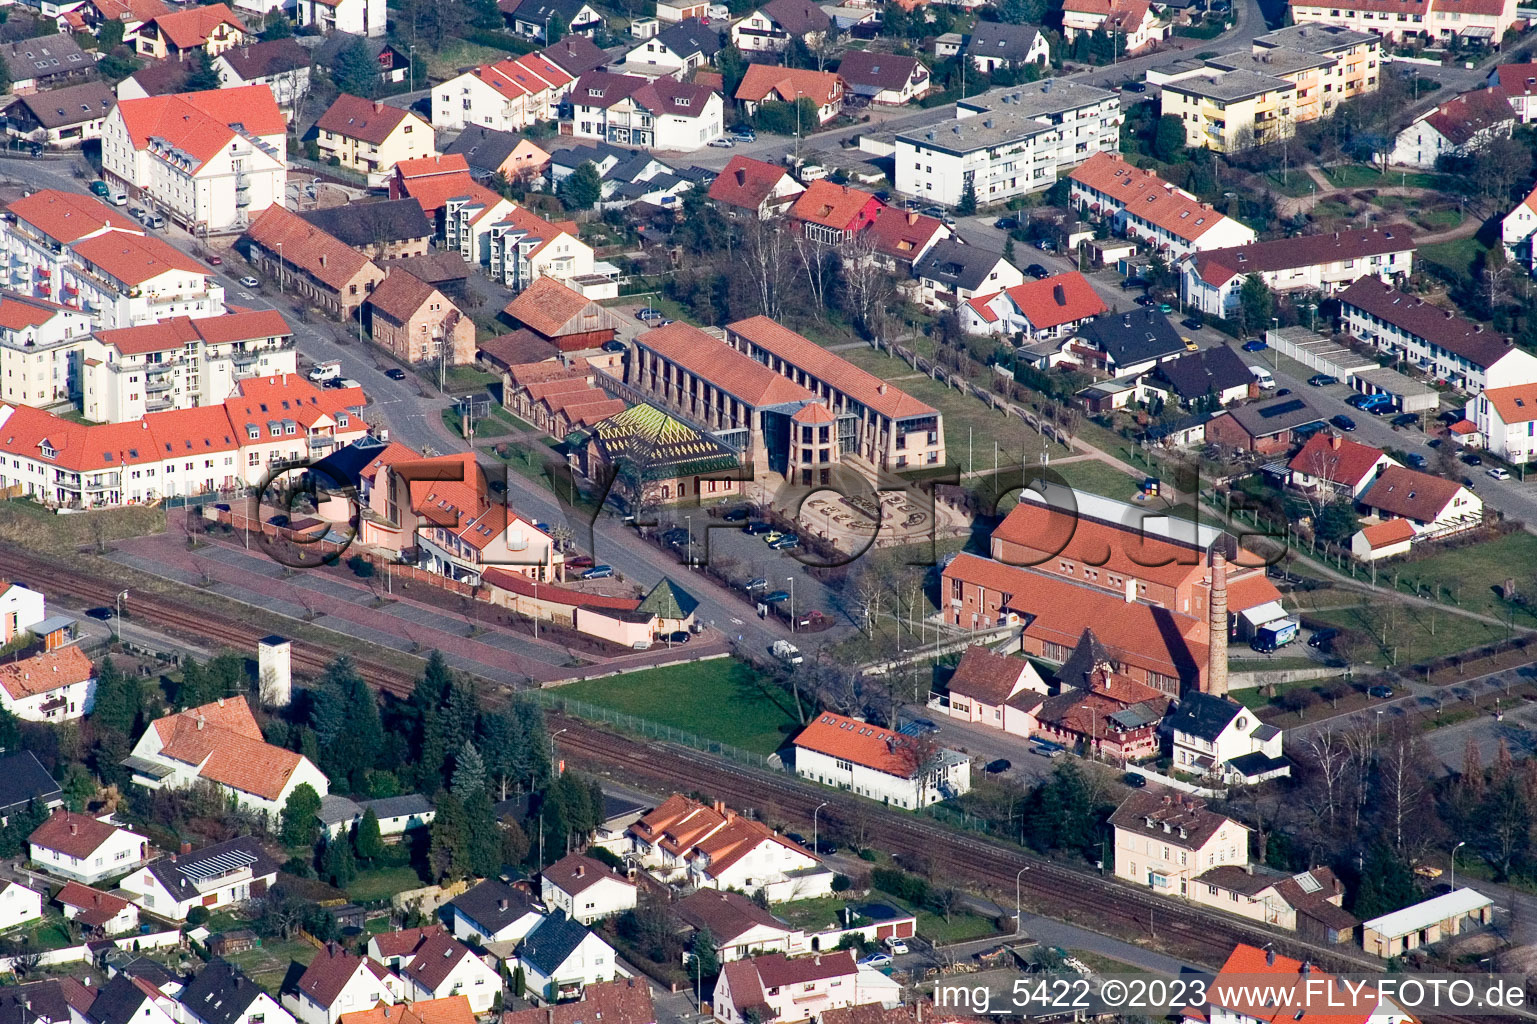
x=299 y=867
x=901 y=885
x=607 y=857
x=841 y=883
x=361 y=567
x=197 y=916
x=869 y=855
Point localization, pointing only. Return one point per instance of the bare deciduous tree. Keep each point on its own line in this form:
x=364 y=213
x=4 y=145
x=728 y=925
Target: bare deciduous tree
x=765 y=252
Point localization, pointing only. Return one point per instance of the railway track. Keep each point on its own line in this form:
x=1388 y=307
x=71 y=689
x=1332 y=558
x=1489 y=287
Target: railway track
x=961 y=860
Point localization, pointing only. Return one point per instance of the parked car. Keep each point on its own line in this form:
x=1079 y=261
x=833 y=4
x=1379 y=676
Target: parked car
x=613 y=346
x=1191 y=346
x=1005 y=223
x=1497 y=473
x=786 y=542
x=1134 y=780
x=742 y=133
x=772 y=536
x=249 y=281
x=1322 y=638
x=1322 y=380
x=893 y=944
x=1046 y=245
x=797 y=839
x=826 y=848
x=1414 y=460
x=1037 y=271
x=103 y=613
x=599 y=572
x=648 y=314
x=681 y=636
x=723 y=143
x=1380 y=692
x=756 y=583
x=1282 y=391
x=1255 y=345
x=1471 y=459
x=735 y=515
x=1449 y=417
x=753 y=529
x=1190 y=323
x=579 y=562
x=120 y=199
x=1406 y=419
x=998 y=767
x=136 y=213
x=1135 y=87
x=876 y=960
x=214 y=259
x=775 y=597
x=1343 y=422
x=1165 y=308
x=100 y=188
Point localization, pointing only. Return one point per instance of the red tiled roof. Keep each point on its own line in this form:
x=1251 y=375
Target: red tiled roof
x=18 y=312
x=435 y=959
x=576 y=872
x=746 y=182
x=1219 y=266
x=401 y=296
x=830 y=368
x=135 y=259
x=192 y=27
x=1401 y=491
x=1384 y=534
x=1515 y=404
x=834 y=206
x=67 y=217
x=1461 y=118
x=892 y=753
x=1485 y=8
x=1057 y=300
x=96 y=907
x=1047 y=534
x=1250 y=592
x=306 y=247
x=518 y=584
x=329 y=973
x=130 y=10
x=1293 y=995
x=416 y=167
x=772 y=82
x=435 y=190
x=778 y=970
x=1335 y=458
x=353 y=117
x=75 y=835
x=985 y=676
x=1147 y=196
x=546 y=306
x=1517 y=79
x=50 y=670
x=902 y=234
x=624 y=1001
x=405 y=941
x=199 y=123
x=744 y=378
x=224 y=739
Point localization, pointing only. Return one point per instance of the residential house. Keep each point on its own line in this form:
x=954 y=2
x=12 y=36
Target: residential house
x=575 y=55
x=400 y=814
x=213 y=28
x=155 y=79
x=371 y=137
x=395 y=949
x=1507 y=419
x=1211 y=280
x=395 y=65
x=897 y=239
x=1100 y=710
x=876 y=421
x=85 y=849
x=1134 y=20
x=367 y=18
x=442 y=967
x=216 y=876
x=677 y=49
x=562 y=317
x=338 y=982
x=211 y=160
x=993 y=689
x=1435 y=506
x=1519 y=84
x=180 y=363
x=1144 y=207
x=282 y=65
x=887 y=766
x=507 y=96
x=21 y=609
x=1457 y=127
x=51 y=686
x=586 y=889
x=622 y=1001
x=560 y=958
x=489 y=152
x=416 y=323
x=131 y=13
x=884 y=78
x=769 y=83
x=798 y=989
x=1332 y=463
x=221 y=743
x=1217 y=375
x=221 y=994
x=770 y=27
x=995 y=44
x=1294 y=986
x=953 y=273
x=1516 y=231
x=1434 y=340
x=712 y=847
x=385 y=229
x=61 y=118
x=1127 y=344
x=834 y=214
x=1265 y=427
x=1217 y=737
x=493 y=911
x=1051 y=307
x=47 y=62
x=1475 y=22
x=318 y=266
x=126 y=999
x=756 y=187
x=100 y=912
x=1008 y=142
x=40 y=353
x=1165 y=840
x=738 y=925
x=533 y=19
x=652 y=114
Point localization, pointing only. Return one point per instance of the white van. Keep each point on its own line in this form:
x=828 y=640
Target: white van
x=1266 y=382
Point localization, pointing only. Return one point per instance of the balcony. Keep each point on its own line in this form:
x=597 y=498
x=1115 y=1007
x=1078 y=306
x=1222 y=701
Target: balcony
x=103 y=481
x=158 y=404
x=156 y=387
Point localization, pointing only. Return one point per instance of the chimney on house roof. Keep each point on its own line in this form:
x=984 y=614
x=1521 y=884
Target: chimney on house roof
x=581 y=869
x=378 y=106
x=1334 y=441
x=74 y=828
x=501 y=904
x=912 y=216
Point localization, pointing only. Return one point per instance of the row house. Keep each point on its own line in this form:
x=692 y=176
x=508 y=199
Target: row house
x=1145 y=208
x=322 y=268
x=1434 y=340
x=180 y=363
x=40 y=350
x=370 y=137
x=1009 y=142
x=507 y=96
x=1211 y=280
x=1479 y=22
x=270 y=422
x=627 y=110
x=209 y=160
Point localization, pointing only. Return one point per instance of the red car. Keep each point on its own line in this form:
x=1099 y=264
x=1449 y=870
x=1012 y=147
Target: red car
x=214 y=260
x=579 y=562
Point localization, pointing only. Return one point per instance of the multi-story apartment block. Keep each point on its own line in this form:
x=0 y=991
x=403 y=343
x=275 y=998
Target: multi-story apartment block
x=1142 y=206
x=371 y=137
x=1356 y=57
x=1212 y=280
x=181 y=363
x=1473 y=21
x=628 y=110
x=40 y=350
x=508 y=96
x=124 y=280
x=38 y=232
x=524 y=247
x=210 y=160
x=1434 y=340
x=1008 y=142
x=1230 y=111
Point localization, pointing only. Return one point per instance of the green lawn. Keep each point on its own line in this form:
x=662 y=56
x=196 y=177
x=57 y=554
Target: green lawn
x=1439 y=220
x=722 y=699
x=382 y=883
x=1402 y=633
x=1467 y=577
x=1099 y=478
x=1295 y=184
x=810 y=915
x=1458 y=254
x=1362 y=176
x=267 y=965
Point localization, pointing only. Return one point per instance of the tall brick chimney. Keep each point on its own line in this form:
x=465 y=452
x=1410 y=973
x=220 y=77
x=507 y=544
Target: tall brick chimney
x=1216 y=664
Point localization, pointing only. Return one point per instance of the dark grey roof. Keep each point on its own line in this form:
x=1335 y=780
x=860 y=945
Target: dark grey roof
x=1257 y=763
x=336 y=809
x=398 y=806
x=956 y=265
x=1079 y=666
x=1204 y=715
x=45 y=57
x=176 y=875
x=599 y=154
x=1001 y=40
x=698 y=175
x=551 y=942
x=536 y=11
x=1134 y=337
x=24 y=779
x=689 y=37
x=1211 y=370
x=374 y=223
x=1263 y=419
x=74 y=104
x=118 y=1001
x=438 y=267
x=575 y=55
x=220 y=994
x=263 y=60
x=630 y=168
x=483 y=904
x=616 y=806
x=484 y=149
x=121 y=961
x=345 y=466
x=336 y=42
x=41 y=1001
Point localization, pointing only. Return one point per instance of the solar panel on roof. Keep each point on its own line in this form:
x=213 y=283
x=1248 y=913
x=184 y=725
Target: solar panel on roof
x=220 y=864
x=1282 y=409
x=1307 y=882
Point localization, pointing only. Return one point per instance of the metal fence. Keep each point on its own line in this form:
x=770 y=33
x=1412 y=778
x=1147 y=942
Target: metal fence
x=645 y=727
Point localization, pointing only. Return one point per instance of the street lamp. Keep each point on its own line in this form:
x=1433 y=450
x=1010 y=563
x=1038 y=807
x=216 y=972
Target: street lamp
x=814 y=843
x=1312 y=308
x=792 y=602
x=117 y=624
x=1452 y=879
x=1018 y=912
x=1275 y=356
x=552 y=745
x=280 y=268
x=689 y=521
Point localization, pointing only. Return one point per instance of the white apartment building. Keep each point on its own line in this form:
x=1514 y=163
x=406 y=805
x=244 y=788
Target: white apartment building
x=124 y=280
x=40 y=345
x=37 y=235
x=1507 y=418
x=507 y=96
x=210 y=161
x=844 y=752
x=525 y=247
x=1145 y=208
x=355 y=17
x=1212 y=279
x=1008 y=142
x=628 y=110
x=1164 y=840
x=1473 y=21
